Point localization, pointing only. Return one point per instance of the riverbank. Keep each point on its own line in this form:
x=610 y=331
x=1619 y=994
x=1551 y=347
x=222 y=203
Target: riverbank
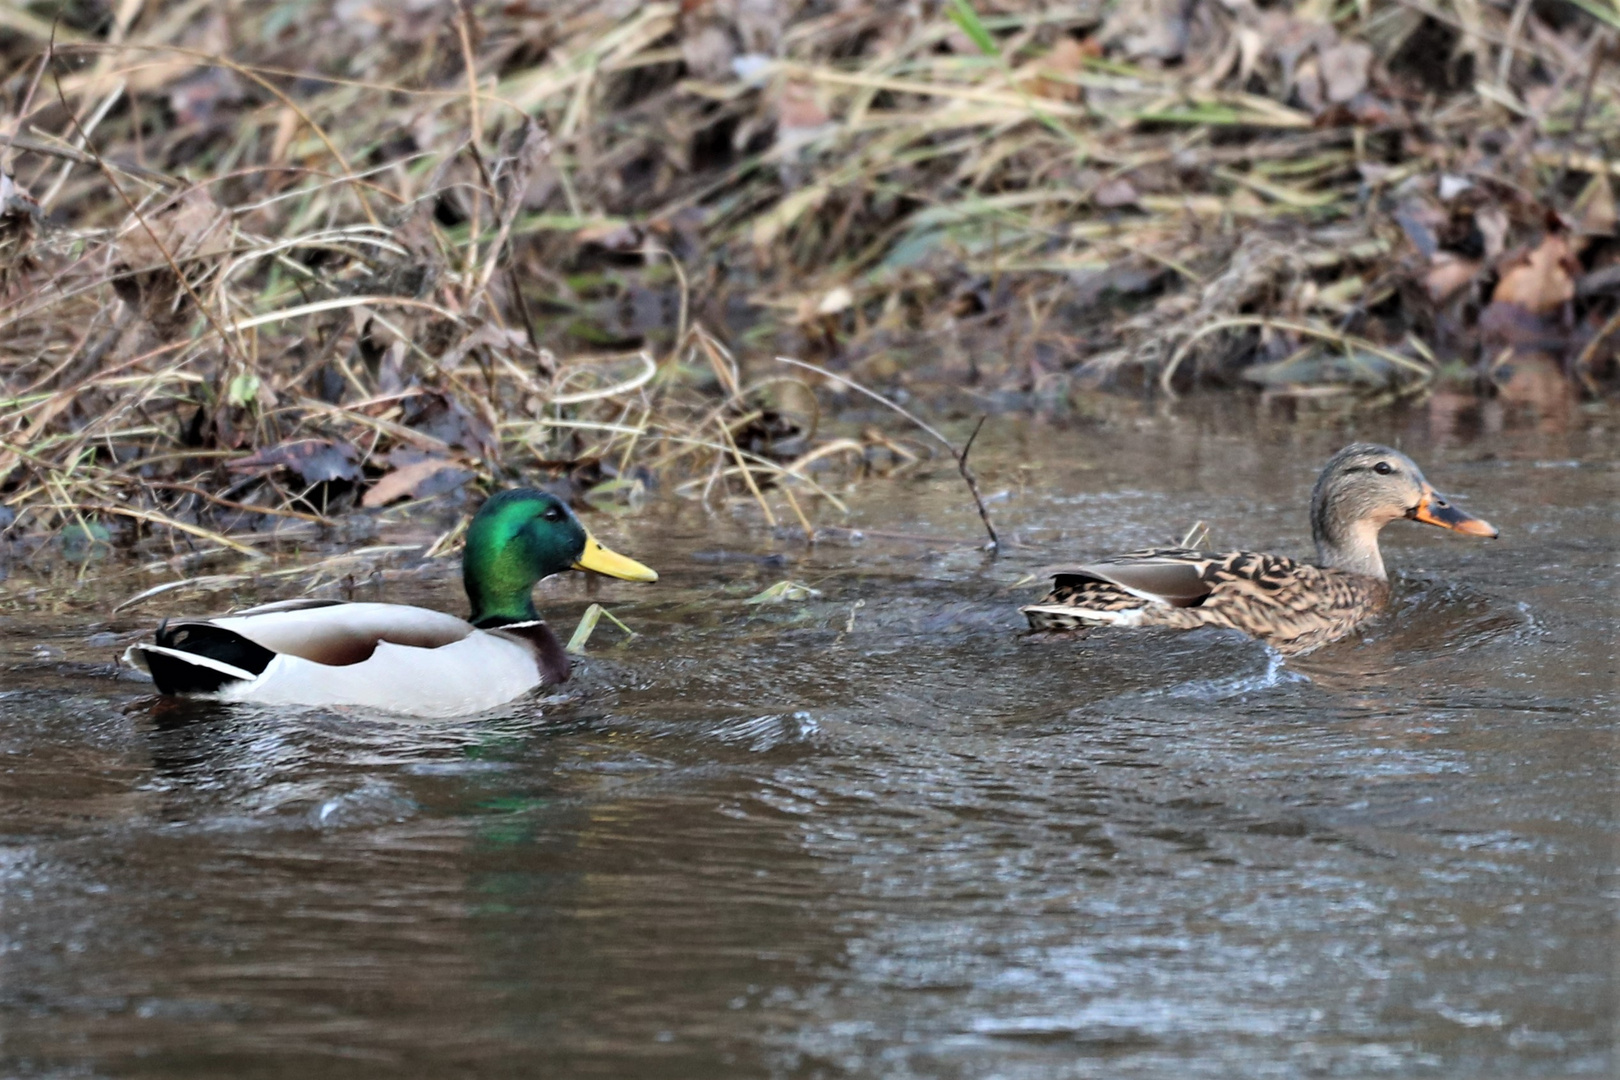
x=273 y=264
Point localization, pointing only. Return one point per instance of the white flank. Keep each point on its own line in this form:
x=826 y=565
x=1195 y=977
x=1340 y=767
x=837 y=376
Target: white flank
x=1132 y=617
x=476 y=673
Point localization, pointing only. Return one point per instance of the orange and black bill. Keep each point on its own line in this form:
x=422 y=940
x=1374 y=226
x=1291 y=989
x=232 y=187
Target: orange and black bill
x=1433 y=509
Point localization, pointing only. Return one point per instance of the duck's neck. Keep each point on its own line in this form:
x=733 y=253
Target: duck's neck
x=500 y=589
x=498 y=611
x=1350 y=547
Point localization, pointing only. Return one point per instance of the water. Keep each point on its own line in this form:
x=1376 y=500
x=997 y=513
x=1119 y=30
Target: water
x=873 y=833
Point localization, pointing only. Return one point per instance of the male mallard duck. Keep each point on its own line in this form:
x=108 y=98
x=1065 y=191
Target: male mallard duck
x=393 y=657
x=1292 y=606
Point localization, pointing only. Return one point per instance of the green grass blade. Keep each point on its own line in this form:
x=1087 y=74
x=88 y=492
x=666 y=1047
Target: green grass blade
x=586 y=627
x=963 y=15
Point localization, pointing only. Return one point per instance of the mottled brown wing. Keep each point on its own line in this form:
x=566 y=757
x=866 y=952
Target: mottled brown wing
x=1293 y=606
x=1269 y=572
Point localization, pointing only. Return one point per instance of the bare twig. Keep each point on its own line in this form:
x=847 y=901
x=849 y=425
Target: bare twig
x=973 y=484
x=961 y=455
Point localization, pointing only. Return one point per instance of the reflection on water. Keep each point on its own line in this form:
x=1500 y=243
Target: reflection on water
x=877 y=832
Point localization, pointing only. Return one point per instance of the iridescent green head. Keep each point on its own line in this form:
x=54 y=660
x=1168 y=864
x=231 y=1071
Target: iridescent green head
x=521 y=536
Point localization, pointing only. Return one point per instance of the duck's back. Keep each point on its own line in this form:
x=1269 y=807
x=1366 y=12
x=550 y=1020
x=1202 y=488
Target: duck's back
x=1291 y=605
x=335 y=632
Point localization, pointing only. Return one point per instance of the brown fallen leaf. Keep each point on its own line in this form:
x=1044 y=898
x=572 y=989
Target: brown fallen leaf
x=19 y=226
x=797 y=107
x=1542 y=281
x=314 y=461
x=440 y=416
x=1148 y=28
x=612 y=236
x=1595 y=213
x=205 y=96
x=1054 y=72
x=707 y=46
x=192 y=225
x=1492 y=223
x=1343 y=68
x=1503 y=323
x=1448 y=273
x=1115 y=193
x=1308 y=84
x=409 y=481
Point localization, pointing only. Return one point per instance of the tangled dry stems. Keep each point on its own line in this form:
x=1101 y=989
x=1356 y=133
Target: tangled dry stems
x=258 y=264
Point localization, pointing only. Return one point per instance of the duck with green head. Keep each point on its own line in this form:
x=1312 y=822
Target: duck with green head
x=394 y=657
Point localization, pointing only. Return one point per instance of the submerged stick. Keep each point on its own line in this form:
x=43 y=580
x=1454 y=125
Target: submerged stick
x=961 y=455
x=973 y=482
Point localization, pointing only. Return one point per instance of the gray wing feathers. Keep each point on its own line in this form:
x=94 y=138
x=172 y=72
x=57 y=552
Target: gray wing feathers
x=1167 y=581
x=341 y=634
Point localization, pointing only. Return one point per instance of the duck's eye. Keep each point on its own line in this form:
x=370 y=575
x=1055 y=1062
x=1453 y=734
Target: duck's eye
x=1383 y=468
x=553 y=514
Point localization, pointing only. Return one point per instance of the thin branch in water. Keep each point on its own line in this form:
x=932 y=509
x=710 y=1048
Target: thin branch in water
x=973 y=483
x=961 y=455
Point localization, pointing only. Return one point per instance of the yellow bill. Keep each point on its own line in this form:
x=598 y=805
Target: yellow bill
x=603 y=560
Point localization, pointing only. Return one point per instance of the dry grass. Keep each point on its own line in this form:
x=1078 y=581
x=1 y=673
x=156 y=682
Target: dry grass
x=263 y=260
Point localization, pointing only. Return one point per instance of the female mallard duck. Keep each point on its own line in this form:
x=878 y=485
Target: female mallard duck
x=1292 y=606
x=393 y=657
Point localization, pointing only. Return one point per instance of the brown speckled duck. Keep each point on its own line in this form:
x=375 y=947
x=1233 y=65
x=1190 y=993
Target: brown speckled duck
x=1292 y=606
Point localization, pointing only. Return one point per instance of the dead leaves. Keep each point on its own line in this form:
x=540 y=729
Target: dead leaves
x=1542 y=281
x=312 y=461
x=1307 y=61
x=1503 y=270
x=190 y=226
x=418 y=479
x=163 y=253
x=446 y=420
x=1344 y=70
x=19 y=227
x=799 y=112
x=315 y=462
x=1115 y=193
x=1056 y=73
x=1148 y=29
x=716 y=34
x=1594 y=209
x=1530 y=306
x=1447 y=275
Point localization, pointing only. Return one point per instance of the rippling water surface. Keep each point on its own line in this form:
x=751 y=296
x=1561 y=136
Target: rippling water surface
x=875 y=832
